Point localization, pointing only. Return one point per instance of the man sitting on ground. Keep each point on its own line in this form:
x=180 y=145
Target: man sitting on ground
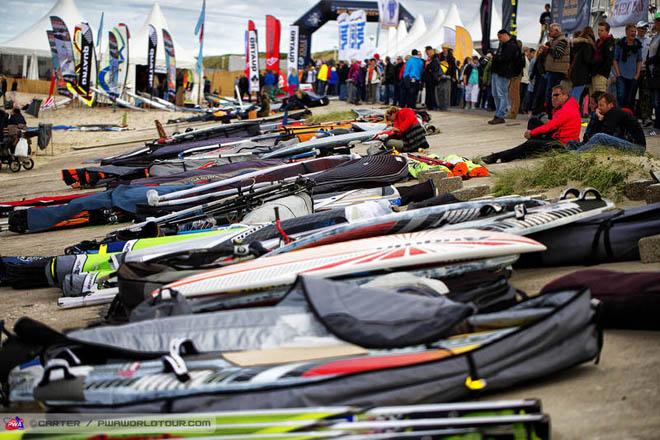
x=613 y=127
x=407 y=134
x=554 y=134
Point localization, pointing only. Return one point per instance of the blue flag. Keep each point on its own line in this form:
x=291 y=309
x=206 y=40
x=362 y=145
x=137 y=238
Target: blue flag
x=99 y=34
x=199 y=30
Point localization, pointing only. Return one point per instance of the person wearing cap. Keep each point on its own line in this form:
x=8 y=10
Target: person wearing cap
x=645 y=107
x=447 y=73
x=653 y=69
x=412 y=77
x=627 y=67
x=603 y=58
x=504 y=65
x=431 y=76
x=557 y=62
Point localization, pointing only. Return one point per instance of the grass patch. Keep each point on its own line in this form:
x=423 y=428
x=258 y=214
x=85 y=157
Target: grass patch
x=605 y=169
x=331 y=117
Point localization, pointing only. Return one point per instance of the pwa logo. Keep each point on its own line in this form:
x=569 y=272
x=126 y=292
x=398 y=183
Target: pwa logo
x=14 y=424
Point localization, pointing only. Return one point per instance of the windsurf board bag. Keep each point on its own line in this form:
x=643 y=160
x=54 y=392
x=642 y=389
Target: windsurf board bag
x=630 y=300
x=405 y=356
x=611 y=236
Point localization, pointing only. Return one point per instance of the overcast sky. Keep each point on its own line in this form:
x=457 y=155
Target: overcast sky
x=227 y=19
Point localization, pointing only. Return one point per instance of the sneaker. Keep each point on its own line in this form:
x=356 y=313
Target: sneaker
x=489 y=160
x=496 y=121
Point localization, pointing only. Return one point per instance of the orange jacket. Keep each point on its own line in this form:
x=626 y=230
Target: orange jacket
x=564 y=125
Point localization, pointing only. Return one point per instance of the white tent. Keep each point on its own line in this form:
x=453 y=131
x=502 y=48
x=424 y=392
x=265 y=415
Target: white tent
x=474 y=28
x=416 y=30
x=432 y=36
x=401 y=33
x=32 y=43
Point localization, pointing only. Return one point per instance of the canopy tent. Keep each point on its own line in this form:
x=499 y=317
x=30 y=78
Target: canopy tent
x=416 y=31
x=32 y=43
x=432 y=37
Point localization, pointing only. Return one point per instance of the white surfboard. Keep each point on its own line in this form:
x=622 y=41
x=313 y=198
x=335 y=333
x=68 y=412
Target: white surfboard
x=149 y=102
x=433 y=246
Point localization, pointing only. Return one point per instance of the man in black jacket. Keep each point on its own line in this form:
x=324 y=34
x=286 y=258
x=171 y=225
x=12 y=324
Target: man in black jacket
x=397 y=99
x=504 y=63
x=614 y=128
x=388 y=81
x=430 y=77
x=342 y=74
x=603 y=58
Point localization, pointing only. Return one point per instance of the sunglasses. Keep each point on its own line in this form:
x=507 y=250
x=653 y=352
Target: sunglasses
x=554 y=95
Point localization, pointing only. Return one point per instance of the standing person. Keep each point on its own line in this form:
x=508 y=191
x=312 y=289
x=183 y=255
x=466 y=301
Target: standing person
x=353 y=83
x=389 y=81
x=270 y=81
x=627 y=67
x=557 y=62
x=398 y=82
x=293 y=81
x=447 y=70
x=653 y=69
x=486 y=79
x=333 y=78
x=524 y=81
x=412 y=76
x=537 y=106
x=244 y=87
x=372 y=81
x=311 y=77
x=3 y=90
x=514 y=84
x=503 y=69
x=545 y=20
x=342 y=73
x=603 y=58
x=463 y=99
x=582 y=55
x=644 y=106
x=322 y=79
x=471 y=82
x=430 y=75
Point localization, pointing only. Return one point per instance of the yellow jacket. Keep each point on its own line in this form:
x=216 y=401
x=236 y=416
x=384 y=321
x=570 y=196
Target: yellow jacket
x=323 y=73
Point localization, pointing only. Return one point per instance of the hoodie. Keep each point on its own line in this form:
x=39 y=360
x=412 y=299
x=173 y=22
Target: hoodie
x=564 y=125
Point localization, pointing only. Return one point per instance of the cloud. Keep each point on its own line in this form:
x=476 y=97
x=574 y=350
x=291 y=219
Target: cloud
x=226 y=20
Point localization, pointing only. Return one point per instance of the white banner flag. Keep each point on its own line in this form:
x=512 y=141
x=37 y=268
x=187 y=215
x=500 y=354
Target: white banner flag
x=253 y=61
x=356 y=34
x=343 y=25
x=623 y=12
x=449 y=37
x=388 y=13
x=292 y=55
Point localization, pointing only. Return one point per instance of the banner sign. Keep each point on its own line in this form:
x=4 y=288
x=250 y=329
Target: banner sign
x=273 y=31
x=86 y=54
x=572 y=15
x=623 y=12
x=486 y=15
x=304 y=49
x=170 y=64
x=343 y=25
x=356 y=34
x=292 y=53
x=151 y=57
x=449 y=37
x=64 y=49
x=388 y=13
x=510 y=16
x=253 y=61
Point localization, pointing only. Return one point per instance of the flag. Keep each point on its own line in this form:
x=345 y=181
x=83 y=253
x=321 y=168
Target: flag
x=388 y=13
x=486 y=18
x=199 y=30
x=292 y=56
x=152 y=45
x=464 y=46
x=510 y=16
x=99 y=33
x=273 y=30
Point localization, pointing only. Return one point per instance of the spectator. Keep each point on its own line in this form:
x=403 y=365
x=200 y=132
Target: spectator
x=353 y=83
x=398 y=82
x=603 y=58
x=486 y=79
x=207 y=85
x=582 y=55
x=342 y=73
x=627 y=67
x=537 y=106
x=447 y=71
x=372 y=81
x=503 y=69
x=431 y=75
x=412 y=76
x=593 y=120
x=389 y=81
x=545 y=20
x=557 y=62
x=406 y=134
x=270 y=81
x=3 y=90
x=293 y=81
x=244 y=87
x=17 y=118
x=615 y=128
x=653 y=69
x=311 y=76
x=471 y=82
x=514 y=84
x=322 y=79
x=528 y=55
x=644 y=107
x=554 y=134
x=333 y=78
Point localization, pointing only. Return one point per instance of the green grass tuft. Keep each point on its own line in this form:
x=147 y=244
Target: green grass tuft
x=605 y=169
x=331 y=117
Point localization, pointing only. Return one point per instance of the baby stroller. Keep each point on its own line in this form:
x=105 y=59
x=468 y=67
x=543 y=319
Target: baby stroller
x=15 y=149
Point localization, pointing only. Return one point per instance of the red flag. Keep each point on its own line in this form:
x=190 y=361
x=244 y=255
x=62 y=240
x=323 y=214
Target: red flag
x=251 y=27
x=273 y=30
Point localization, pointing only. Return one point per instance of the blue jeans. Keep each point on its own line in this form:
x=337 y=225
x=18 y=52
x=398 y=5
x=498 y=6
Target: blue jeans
x=606 y=140
x=626 y=89
x=389 y=94
x=576 y=93
x=321 y=88
x=343 y=93
x=500 y=90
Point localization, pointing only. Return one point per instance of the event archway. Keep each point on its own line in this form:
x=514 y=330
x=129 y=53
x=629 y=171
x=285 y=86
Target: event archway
x=329 y=10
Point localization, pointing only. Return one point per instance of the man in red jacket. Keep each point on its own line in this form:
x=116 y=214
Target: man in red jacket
x=554 y=134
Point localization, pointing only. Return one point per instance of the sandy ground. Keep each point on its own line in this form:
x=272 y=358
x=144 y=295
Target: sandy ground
x=616 y=399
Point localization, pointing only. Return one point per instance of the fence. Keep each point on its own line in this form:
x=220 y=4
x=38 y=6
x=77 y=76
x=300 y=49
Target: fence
x=222 y=81
x=36 y=86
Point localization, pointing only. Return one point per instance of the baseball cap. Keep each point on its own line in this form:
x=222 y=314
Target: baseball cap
x=641 y=24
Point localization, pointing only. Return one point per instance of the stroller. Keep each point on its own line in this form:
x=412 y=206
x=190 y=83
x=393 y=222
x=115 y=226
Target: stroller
x=15 y=149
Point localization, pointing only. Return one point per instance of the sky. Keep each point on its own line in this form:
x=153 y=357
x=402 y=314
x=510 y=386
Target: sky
x=226 y=20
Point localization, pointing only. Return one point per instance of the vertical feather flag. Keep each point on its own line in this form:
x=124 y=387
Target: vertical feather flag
x=99 y=33
x=199 y=30
x=486 y=17
x=273 y=31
